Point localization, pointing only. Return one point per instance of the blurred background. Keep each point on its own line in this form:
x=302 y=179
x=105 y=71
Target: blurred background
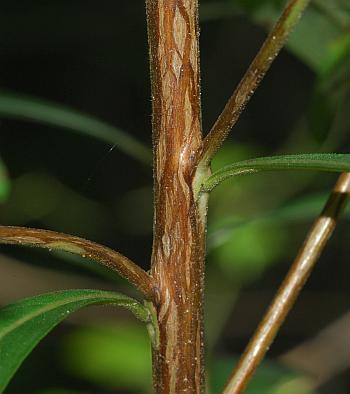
x=75 y=140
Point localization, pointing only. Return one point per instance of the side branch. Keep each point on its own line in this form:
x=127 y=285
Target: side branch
x=68 y=243
x=255 y=73
x=290 y=288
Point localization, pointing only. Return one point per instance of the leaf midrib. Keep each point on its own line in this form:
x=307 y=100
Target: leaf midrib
x=20 y=322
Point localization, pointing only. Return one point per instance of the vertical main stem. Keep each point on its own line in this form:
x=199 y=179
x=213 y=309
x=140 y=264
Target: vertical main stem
x=178 y=246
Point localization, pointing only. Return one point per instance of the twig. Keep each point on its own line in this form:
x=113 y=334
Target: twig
x=68 y=243
x=255 y=73
x=290 y=288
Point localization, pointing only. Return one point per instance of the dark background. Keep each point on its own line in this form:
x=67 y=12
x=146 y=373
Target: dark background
x=92 y=56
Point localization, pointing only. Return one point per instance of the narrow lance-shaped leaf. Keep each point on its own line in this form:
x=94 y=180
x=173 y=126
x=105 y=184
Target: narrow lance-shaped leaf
x=303 y=208
x=24 y=323
x=42 y=111
x=333 y=162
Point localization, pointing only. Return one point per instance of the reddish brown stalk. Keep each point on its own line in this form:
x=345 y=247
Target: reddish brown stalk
x=57 y=241
x=178 y=247
x=252 y=78
x=290 y=288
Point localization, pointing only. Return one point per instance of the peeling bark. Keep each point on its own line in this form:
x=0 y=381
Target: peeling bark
x=178 y=247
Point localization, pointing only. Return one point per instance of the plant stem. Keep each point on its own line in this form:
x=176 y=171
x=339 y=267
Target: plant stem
x=252 y=78
x=57 y=241
x=290 y=288
x=178 y=246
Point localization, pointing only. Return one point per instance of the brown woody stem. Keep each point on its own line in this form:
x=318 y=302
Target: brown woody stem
x=290 y=288
x=252 y=78
x=57 y=241
x=178 y=246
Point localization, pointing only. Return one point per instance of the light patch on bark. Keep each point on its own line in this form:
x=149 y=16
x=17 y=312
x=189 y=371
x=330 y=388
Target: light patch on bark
x=172 y=358
x=165 y=306
x=166 y=244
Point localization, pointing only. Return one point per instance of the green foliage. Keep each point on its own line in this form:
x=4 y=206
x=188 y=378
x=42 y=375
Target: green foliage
x=243 y=245
x=39 y=196
x=321 y=41
x=4 y=182
x=24 y=323
x=300 y=209
x=101 y=355
x=250 y=249
x=33 y=109
x=321 y=38
x=312 y=162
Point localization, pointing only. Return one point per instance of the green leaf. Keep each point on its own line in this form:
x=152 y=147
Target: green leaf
x=24 y=323
x=323 y=25
x=33 y=109
x=313 y=38
x=109 y=355
x=250 y=250
x=303 y=208
x=333 y=162
x=4 y=182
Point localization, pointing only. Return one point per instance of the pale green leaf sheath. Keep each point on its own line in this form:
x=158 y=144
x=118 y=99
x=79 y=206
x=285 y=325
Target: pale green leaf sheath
x=332 y=162
x=53 y=114
x=24 y=323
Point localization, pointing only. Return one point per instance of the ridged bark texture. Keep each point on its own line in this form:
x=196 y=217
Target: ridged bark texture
x=178 y=247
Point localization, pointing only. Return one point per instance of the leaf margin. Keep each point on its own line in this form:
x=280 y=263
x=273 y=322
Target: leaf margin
x=88 y=297
x=29 y=108
x=331 y=162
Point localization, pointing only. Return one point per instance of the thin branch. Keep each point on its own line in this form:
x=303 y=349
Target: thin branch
x=57 y=241
x=290 y=288
x=255 y=73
